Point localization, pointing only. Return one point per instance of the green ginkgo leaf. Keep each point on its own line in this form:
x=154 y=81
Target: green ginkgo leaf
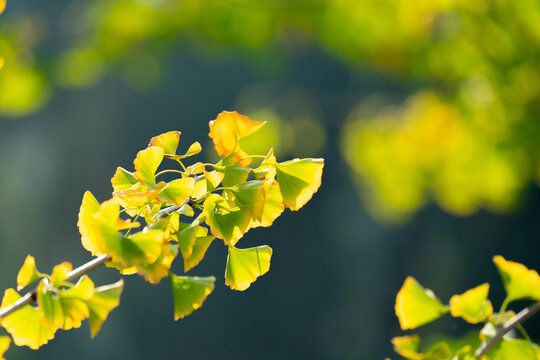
x=25 y=325
x=519 y=282
x=147 y=162
x=4 y=345
x=267 y=168
x=201 y=244
x=189 y=293
x=74 y=303
x=507 y=349
x=298 y=180
x=226 y=222
x=154 y=272
x=28 y=273
x=49 y=307
x=244 y=266
x=473 y=305
x=251 y=196
x=416 y=306
x=177 y=191
x=123 y=179
x=273 y=207
x=104 y=299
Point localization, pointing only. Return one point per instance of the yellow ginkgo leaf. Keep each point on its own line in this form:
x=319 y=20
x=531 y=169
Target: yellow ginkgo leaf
x=28 y=273
x=473 y=305
x=60 y=273
x=298 y=180
x=227 y=130
x=273 y=207
x=4 y=345
x=25 y=325
x=226 y=222
x=177 y=191
x=416 y=306
x=147 y=162
x=2 y=7
x=244 y=266
x=168 y=141
x=159 y=269
x=123 y=179
x=89 y=207
x=519 y=282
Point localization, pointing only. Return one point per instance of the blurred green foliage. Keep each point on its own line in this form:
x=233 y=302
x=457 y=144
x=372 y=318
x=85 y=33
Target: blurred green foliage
x=465 y=135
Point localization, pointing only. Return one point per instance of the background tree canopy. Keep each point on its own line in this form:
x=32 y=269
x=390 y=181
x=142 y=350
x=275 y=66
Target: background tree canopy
x=411 y=104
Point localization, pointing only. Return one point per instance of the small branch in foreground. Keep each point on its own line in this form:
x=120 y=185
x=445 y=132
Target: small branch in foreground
x=509 y=325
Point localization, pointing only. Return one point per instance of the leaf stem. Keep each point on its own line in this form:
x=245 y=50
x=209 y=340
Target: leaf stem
x=509 y=325
x=172 y=171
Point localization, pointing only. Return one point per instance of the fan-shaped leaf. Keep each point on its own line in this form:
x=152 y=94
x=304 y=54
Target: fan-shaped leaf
x=244 y=266
x=60 y=273
x=168 y=141
x=25 y=325
x=28 y=273
x=473 y=305
x=273 y=207
x=298 y=180
x=227 y=130
x=159 y=269
x=227 y=223
x=251 y=196
x=177 y=191
x=147 y=162
x=189 y=293
x=408 y=347
x=519 y=282
x=507 y=349
x=416 y=306
x=89 y=207
x=104 y=299
x=123 y=179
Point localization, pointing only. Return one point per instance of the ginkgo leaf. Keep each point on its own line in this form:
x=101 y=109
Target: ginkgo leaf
x=273 y=207
x=507 y=349
x=89 y=207
x=122 y=224
x=519 y=282
x=139 y=195
x=104 y=299
x=60 y=273
x=473 y=305
x=408 y=347
x=168 y=141
x=25 y=325
x=197 y=168
x=227 y=130
x=212 y=180
x=127 y=251
x=267 y=168
x=194 y=149
x=298 y=180
x=28 y=273
x=2 y=7
x=123 y=179
x=233 y=174
x=49 y=307
x=227 y=223
x=252 y=197
x=4 y=345
x=74 y=303
x=147 y=162
x=416 y=306
x=177 y=191
x=201 y=244
x=159 y=269
x=189 y=293
x=244 y=266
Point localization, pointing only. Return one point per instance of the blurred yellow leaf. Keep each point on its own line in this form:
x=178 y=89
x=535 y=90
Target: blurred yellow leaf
x=473 y=305
x=519 y=282
x=416 y=306
x=28 y=273
x=4 y=345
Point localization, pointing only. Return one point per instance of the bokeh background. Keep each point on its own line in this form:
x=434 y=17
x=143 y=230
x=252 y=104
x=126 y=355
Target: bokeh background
x=427 y=114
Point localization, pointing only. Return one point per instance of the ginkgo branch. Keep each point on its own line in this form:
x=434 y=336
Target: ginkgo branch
x=30 y=296
x=507 y=326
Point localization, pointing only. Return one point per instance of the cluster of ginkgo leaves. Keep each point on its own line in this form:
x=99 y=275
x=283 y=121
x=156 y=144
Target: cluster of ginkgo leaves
x=416 y=306
x=148 y=222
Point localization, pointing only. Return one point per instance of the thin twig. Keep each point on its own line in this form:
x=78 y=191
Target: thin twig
x=507 y=326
